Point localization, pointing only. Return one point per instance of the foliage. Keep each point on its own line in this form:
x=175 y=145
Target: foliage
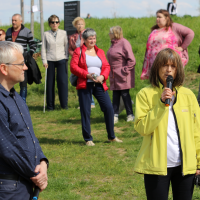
x=104 y=171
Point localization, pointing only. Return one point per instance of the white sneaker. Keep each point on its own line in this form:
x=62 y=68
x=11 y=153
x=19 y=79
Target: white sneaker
x=115 y=120
x=130 y=118
x=90 y=143
x=115 y=140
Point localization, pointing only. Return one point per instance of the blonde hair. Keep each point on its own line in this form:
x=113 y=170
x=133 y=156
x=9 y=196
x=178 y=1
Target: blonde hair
x=117 y=32
x=76 y=21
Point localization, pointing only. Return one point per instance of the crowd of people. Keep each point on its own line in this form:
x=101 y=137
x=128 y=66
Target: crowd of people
x=170 y=152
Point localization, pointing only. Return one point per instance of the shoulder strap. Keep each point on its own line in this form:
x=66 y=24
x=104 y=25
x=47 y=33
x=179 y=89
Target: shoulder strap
x=80 y=53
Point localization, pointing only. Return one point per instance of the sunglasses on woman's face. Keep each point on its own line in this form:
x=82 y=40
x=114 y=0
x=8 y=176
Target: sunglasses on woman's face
x=53 y=22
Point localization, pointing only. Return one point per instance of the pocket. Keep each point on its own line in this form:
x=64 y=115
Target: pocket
x=8 y=185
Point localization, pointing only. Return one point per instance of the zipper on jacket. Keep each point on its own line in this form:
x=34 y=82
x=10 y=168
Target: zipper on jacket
x=194 y=118
x=181 y=152
x=151 y=139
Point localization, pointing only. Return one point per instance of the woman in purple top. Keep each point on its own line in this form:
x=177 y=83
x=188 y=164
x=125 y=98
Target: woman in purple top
x=166 y=34
x=122 y=74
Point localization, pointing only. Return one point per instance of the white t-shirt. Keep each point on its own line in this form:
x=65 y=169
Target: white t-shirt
x=94 y=65
x=173 y=9
x=173 y=146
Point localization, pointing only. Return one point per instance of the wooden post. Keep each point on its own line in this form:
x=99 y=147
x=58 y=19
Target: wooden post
x=22 y=10
x=41 y=19
x=32 y=18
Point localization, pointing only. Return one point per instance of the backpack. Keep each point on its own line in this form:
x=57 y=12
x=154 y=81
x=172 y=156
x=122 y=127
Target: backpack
x=73 y=78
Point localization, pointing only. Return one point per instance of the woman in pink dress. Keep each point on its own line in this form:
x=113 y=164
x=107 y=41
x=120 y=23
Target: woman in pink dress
x=166 y=34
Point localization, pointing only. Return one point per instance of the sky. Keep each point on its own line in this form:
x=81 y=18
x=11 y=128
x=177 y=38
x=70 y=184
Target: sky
x=98 y=8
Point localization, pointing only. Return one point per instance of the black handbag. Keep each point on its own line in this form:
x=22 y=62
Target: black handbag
x=197 y=180
x=73 y=78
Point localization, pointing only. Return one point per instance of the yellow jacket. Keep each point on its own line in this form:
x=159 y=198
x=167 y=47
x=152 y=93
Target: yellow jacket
x=151 y=121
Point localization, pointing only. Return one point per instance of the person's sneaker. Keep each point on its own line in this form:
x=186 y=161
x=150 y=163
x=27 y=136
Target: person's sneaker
x=130 y=118
x=115 y=140
x=115 y=119
x=90 y=143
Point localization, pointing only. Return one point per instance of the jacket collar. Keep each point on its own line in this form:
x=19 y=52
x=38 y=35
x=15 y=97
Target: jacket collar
x=161 y=87
x=22 y=27
x=5 y=92
x=84 y=48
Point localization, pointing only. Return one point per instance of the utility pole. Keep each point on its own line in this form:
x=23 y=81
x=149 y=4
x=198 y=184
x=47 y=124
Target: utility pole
x=22 y=10
x=41 y=19
x=199 y=8
x=32 y=17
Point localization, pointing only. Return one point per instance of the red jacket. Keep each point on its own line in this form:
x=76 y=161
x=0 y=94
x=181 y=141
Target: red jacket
x=79 y=67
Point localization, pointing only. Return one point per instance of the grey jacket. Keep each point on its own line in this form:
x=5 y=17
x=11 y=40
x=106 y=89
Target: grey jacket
x=25 y=37
x=54 y=49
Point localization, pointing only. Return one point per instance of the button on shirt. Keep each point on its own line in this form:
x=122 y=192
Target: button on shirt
x=20 y=151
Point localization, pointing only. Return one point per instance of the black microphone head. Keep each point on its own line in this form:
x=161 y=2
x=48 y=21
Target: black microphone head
x=170 y=79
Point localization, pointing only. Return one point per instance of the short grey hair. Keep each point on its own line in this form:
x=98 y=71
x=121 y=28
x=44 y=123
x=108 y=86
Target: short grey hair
x=88 y=32
x=20 y=17
x=7 y=50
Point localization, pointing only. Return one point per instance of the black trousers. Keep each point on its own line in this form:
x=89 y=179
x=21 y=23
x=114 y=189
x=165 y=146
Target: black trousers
x=126 y=98
x=157 y=187
x=62 y=83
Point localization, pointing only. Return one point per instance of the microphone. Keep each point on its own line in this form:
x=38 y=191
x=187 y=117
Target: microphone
x=169 y=85
x=36 y=193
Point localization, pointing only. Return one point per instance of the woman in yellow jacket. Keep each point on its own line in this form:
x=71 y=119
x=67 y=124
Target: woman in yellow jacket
x=170 y=151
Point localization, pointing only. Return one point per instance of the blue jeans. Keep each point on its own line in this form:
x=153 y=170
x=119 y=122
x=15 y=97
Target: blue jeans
x=23 y=93
x=15 y=190
x=92 y=102
x=85 y=96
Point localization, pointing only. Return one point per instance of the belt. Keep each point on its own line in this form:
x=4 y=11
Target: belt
x=12 y=177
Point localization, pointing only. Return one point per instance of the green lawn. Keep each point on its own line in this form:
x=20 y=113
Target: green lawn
x=104 y=171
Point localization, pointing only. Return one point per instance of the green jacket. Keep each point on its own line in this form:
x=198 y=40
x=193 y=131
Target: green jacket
x=151 y=121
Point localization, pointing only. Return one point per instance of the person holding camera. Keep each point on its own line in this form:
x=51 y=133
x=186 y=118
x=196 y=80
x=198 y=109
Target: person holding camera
x=89 y=64
x=170 y=151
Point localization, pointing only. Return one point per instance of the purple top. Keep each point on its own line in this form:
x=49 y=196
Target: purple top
x=122 y=61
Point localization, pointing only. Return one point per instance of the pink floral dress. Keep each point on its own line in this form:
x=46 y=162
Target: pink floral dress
x=158 y=40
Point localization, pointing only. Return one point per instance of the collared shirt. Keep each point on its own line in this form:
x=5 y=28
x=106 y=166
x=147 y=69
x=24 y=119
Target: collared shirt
x=54 y=33
x=20 y=151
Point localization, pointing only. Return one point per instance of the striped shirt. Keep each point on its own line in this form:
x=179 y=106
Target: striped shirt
x=24 y=38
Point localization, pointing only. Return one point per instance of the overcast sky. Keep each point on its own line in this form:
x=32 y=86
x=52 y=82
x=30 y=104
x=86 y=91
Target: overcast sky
x=98 y=8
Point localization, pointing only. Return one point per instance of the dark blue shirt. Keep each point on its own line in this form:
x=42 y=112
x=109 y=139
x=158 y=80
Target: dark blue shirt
x=20 y=151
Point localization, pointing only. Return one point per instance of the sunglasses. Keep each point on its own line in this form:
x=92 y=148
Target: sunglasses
x=53 y=22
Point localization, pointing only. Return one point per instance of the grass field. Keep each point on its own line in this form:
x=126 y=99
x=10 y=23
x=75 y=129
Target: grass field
x=104 y=171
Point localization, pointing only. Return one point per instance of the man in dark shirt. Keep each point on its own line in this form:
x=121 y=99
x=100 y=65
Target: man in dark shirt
x=22 y=35
x=22 y=161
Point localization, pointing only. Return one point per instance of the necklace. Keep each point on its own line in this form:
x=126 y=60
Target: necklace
x=90 y=50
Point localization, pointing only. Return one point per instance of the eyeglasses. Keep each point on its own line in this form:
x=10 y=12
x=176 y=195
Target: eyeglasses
x=22 y=64
x=53 y=22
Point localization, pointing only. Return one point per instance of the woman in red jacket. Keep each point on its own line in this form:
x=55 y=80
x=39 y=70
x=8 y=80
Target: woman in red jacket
x=90 y=65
